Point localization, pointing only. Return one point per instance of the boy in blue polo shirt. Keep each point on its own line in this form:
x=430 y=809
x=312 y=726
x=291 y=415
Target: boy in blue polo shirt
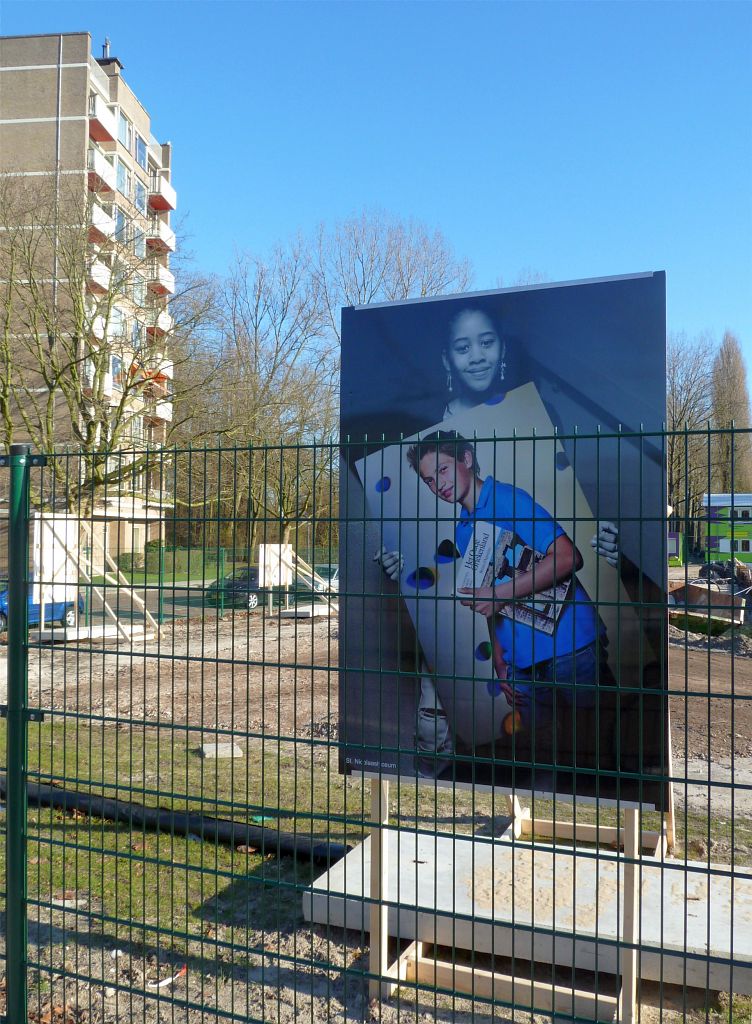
x=570 y=658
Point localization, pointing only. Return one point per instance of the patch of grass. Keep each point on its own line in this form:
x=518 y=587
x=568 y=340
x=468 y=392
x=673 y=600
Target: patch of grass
x=144 y=888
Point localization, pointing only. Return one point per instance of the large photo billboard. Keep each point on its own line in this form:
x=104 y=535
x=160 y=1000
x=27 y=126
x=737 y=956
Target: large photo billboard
x=503 y=554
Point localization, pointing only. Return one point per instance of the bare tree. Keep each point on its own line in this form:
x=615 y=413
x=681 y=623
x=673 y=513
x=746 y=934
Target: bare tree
x=689 y=402
x=275 y=393
x=375 y=257
x=87 y=350
x=732 y=453
x=276 y=388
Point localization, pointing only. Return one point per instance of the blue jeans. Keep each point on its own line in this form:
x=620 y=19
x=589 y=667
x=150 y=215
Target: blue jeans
x=570 y=681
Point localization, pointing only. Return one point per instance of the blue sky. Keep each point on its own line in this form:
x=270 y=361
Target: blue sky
x=572 y=139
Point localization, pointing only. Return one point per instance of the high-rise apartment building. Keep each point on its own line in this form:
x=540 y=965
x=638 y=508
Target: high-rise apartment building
x=85 y=232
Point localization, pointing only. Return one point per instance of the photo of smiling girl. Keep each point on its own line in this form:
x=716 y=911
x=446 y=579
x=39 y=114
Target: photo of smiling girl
x=473 y=358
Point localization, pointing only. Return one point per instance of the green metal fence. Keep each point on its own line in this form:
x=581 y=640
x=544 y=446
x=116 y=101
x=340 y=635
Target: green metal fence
x=181 y=764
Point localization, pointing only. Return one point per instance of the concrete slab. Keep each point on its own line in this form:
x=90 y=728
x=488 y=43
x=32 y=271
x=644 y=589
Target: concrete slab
x=71 y=634
x=220 y=750
x=308 y=611
x=506 y=897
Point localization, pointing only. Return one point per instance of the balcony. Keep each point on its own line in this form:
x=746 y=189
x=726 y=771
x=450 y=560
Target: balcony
x=96 y=328
x=158 y=322
x=159 y=412
x=102 y=226
x=89 y=383
x=160 y=280
x=98 y=276
x=102 y=123
x=102 y=174
x=162 y=195
x=159 y=236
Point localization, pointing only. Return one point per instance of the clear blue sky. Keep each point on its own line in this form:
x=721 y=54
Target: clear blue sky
x=574 y=139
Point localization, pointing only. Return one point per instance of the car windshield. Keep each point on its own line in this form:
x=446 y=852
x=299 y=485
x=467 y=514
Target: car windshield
x=242 y=574
x=327 y=572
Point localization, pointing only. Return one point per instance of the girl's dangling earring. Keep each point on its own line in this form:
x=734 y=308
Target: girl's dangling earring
x=449 y=381
x=502 y=368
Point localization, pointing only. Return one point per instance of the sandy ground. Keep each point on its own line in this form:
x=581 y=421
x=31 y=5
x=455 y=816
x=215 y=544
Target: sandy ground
x=279 y=677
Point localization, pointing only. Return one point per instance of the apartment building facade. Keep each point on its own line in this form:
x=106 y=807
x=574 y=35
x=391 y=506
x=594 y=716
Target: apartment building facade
x=72 y=128
x=728 y=526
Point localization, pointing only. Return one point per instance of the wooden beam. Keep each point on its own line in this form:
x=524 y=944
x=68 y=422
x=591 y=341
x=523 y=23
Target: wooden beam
x=379 y=938
x=631 y=918
x=524 y=992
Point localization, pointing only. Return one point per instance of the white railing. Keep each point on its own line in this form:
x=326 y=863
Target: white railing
x=101 y=221
x=101 y=113
x=161 y=276
x=99 y=275
x=100 y=166
x=160 y=187
x=159 y=230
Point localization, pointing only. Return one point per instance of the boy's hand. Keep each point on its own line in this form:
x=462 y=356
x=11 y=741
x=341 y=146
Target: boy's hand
x=482 y=600
x=515 y=697
x=391 y=562
x=606 y=543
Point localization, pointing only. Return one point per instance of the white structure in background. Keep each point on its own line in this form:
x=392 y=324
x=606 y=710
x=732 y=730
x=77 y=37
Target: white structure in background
x=54 y=560
x=276 y=565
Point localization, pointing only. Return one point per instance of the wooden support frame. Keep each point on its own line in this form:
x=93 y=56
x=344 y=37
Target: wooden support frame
x=118 y=578
x=413 y=965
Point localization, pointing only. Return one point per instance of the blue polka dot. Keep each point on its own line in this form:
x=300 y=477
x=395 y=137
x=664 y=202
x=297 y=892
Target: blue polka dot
x=483 y=651
x=422 y=578
x=383 y=484
x=562 y=460
x=494 y=687
x=496 y=399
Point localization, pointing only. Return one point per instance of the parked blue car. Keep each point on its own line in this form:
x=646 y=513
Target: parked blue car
x=62 y=612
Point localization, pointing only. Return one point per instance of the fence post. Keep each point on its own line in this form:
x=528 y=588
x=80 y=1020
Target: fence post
x=161 y=584
x=17 y=731
x=221 y=580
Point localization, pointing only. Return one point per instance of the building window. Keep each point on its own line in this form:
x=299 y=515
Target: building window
x=141 y=152
x=139 y=244
x=117 y=322
x=121 y=225
x=117 y=373
x=123 y=179
x=139 y=195
x=125 y=132
x=138 y=335
x=745 y=513
x=745 y=545
x=137 y=428
x=139 y=290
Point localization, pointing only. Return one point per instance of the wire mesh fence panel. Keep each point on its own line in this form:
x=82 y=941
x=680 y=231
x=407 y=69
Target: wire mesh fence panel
x=428 y=730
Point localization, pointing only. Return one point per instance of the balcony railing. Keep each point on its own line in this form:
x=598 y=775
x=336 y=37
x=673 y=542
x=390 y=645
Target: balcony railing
x=158 y=322
x=162 y=195
x=102 y=226
x=160 y=411
x=160 y=280
x=159 y=236
x=106 y=379
x=102 y=174
x=96 y=327
x=98 y=276
x=102 y=123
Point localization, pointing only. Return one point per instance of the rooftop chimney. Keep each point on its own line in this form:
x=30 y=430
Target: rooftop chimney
x=109 y=64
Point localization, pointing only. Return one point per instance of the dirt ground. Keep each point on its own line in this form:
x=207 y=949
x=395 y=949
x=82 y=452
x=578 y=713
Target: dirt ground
x=278 y=677
x=247 y=673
